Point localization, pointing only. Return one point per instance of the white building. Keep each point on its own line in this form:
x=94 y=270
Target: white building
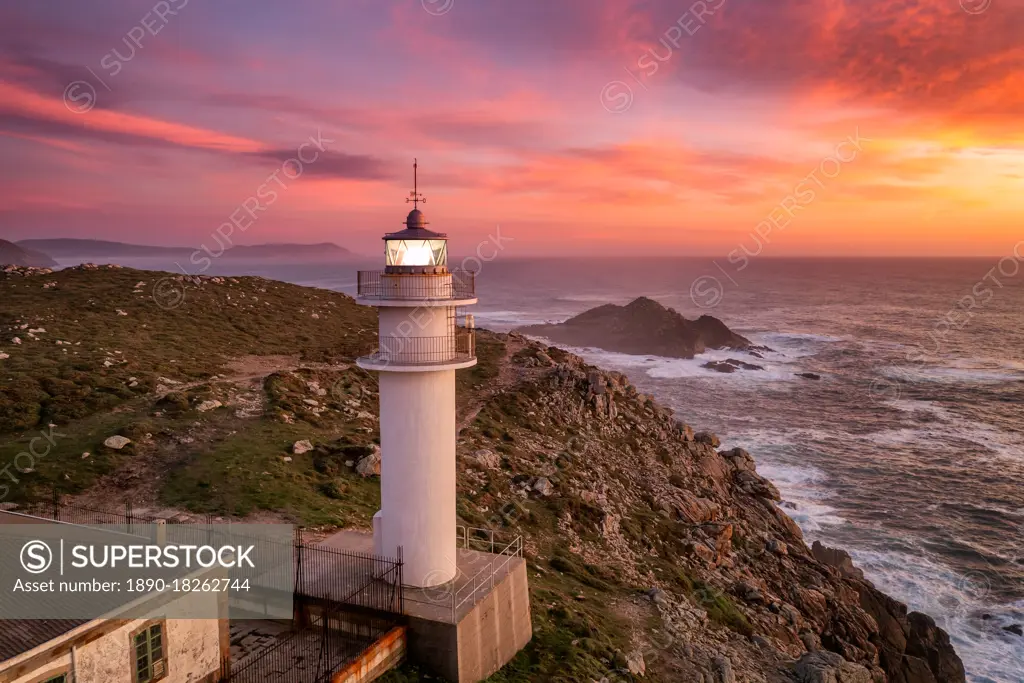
x=420 y=348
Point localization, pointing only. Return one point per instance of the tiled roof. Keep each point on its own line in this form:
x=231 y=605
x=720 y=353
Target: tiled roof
x=21 y=635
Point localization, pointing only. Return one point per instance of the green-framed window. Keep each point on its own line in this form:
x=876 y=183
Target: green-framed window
x=150 y=653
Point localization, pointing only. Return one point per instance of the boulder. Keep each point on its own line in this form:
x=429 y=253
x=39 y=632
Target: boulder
x=370 y=465
x=740 y=459
x=931 y=643
x=486 y=459
x=543 y=486
x=723 y=670
x=302 y=447
x=828 y=667
x=707 y=438
x=730 y=365
x=636 y=665
x=207 y=406
x=117 y=442
x=835 y=557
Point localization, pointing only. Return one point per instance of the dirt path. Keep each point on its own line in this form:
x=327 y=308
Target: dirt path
x=509 y=375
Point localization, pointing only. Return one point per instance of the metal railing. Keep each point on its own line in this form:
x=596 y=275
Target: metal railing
x=454 y=285
x=484 y=580
x=453 y=348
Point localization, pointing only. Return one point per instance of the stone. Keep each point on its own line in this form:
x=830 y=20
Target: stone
x=370 y=465
x=723 y=670
x=4 y=356
x=730 y=365
x=777 y=547
x=932 y=645
x=85 y=455
x=302 y=447
x=543 y=486
x=835 y=557
x=636 y=665
x=117 y=442
x=16 y=341
x=1015 y=629
x=707 y=438
x=287 y=458
x=487 y=459
x=207 y=406
x=828 y=667
x=311 y=402
x=808 y=375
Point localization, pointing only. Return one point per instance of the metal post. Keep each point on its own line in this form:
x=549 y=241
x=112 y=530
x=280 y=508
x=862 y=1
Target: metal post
x=56 y=504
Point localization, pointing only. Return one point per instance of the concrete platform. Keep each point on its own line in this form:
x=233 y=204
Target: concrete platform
x=469 y=628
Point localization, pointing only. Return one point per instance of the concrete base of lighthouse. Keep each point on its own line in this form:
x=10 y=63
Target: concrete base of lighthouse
x=483 y=633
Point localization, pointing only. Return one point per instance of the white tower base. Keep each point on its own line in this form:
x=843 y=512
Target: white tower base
x=417 y=431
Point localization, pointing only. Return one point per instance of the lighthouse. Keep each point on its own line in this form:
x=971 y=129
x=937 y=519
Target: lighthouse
x=420 y=346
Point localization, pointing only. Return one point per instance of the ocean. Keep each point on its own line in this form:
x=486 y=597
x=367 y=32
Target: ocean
x=908 y=452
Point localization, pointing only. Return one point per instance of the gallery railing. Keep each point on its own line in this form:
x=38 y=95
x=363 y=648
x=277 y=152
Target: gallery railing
x=457 y=347
x=379 y=284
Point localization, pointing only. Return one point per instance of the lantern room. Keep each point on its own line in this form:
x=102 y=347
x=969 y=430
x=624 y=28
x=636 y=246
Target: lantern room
x=416 y=249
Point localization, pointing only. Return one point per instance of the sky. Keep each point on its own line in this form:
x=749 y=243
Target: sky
x=575 y=127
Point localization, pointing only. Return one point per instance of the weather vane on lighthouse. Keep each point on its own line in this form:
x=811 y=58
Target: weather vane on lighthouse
x=415 y=197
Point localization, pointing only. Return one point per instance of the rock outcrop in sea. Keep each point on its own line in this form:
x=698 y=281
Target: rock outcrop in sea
x=642 y=327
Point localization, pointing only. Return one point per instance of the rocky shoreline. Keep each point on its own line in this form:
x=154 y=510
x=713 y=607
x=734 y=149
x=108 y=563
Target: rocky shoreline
x=719 y=521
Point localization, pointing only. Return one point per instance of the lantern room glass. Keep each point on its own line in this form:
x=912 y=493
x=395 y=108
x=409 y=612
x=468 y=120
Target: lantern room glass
x=416 y=252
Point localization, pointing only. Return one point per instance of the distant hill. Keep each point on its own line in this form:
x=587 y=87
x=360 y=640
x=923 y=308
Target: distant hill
x=642 y=327
x=14 y=254
x=84 y=248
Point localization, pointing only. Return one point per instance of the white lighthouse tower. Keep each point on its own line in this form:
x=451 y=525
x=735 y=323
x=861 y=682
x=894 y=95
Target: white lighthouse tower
x=420 y=348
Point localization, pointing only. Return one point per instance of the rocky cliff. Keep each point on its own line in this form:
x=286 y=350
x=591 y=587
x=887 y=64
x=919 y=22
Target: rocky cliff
x=641 y=327
x=653 y=553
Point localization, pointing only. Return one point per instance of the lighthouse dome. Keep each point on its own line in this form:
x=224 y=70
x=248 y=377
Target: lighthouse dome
x=416 y=219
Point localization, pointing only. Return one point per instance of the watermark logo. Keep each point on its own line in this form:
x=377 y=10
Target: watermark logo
x=80 y=97
x=251 y=209
x=975 y=6
x=36 y=557
x=616 y=97
x=169 y=293
x=437 y=8
x=706 y=291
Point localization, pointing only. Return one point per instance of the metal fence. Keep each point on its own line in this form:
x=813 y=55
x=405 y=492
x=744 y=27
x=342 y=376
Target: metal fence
x=57 y=509
x=312 y=654
x=379 y=284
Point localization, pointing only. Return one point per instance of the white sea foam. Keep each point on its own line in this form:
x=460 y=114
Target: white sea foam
x=949 y=429
x=953 y=374
x=501 y=321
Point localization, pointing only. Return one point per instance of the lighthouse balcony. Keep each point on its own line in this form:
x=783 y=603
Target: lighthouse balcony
x=412 y=354
x=400 y=285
